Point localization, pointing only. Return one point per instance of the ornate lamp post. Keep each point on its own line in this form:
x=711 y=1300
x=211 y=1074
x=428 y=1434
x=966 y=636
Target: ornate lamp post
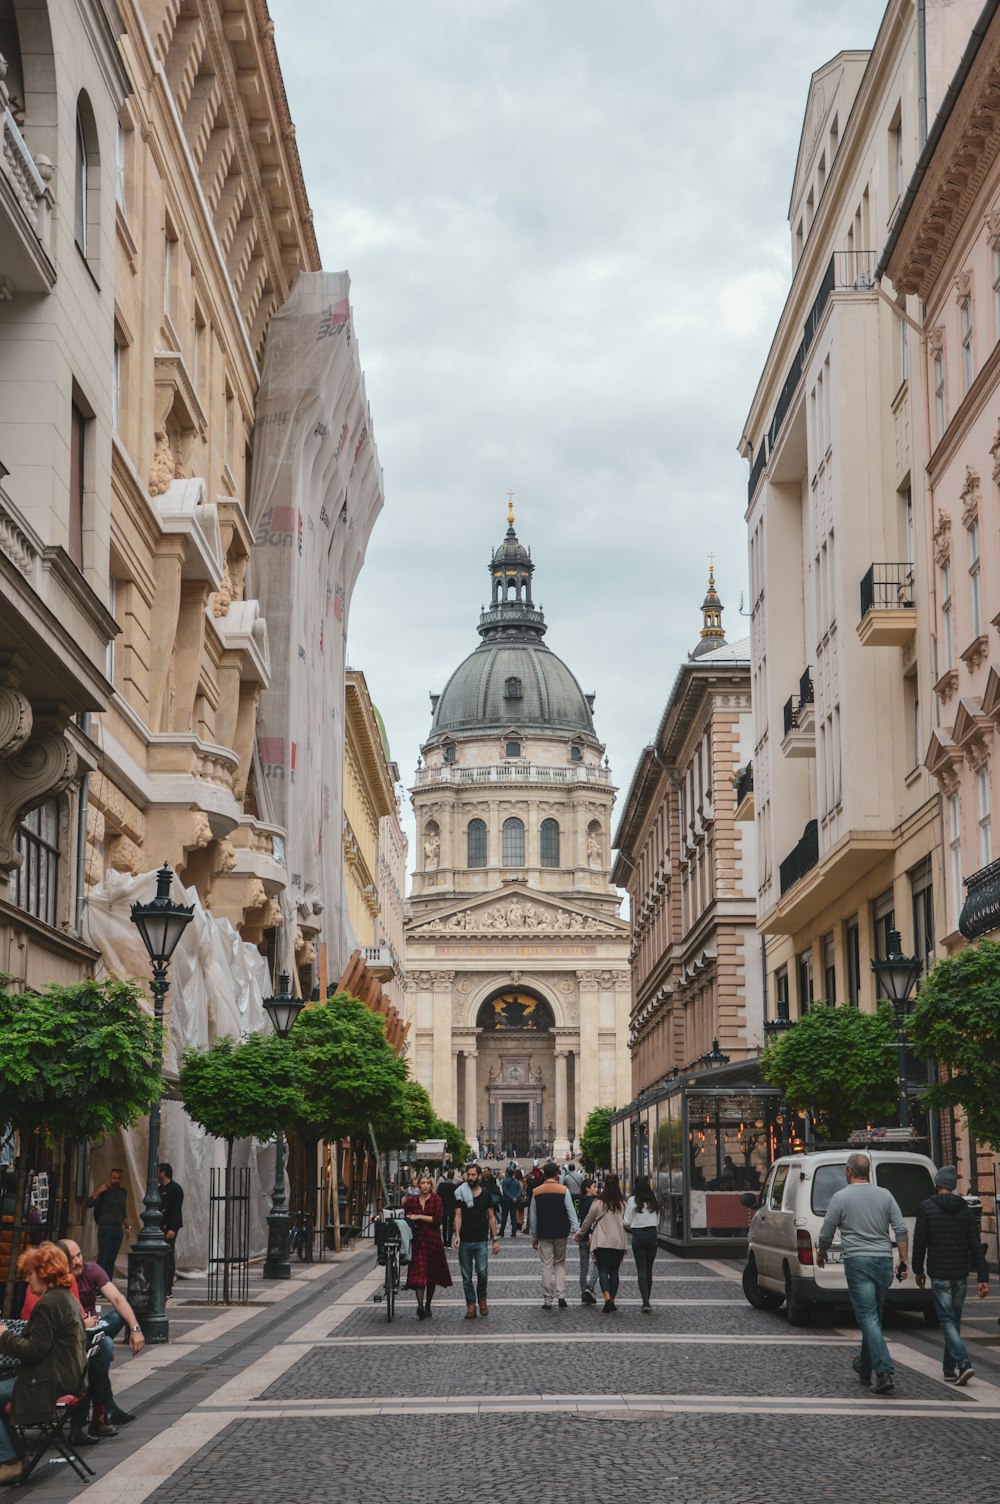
x=161 y=923
x=714 y=1056
x=282 y=1009
x=896 y=977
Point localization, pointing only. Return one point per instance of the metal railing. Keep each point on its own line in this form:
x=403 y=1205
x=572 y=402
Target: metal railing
x=744 y=784
x=513 y=772
x=981 y=911
x=801 y=859
x=757 y=468
x=795 y=703
x=886 y=587
x=847 y=271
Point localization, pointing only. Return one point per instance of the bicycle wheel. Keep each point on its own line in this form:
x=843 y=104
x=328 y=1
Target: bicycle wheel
x=391 y=1281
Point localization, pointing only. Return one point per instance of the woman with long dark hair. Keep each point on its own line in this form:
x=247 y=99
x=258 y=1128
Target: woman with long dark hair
x=642 y=1220
x=606 y=1229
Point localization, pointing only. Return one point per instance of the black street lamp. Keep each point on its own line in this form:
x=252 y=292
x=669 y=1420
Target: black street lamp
x=282 y=1009
x=896 y=976
x=773 y=1027
x=161 y=923
x=714 y=1056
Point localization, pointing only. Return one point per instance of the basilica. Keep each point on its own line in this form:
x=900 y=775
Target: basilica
x=517 y=958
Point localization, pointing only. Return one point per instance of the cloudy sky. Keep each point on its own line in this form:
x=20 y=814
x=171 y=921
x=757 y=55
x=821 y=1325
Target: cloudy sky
x=565 y=224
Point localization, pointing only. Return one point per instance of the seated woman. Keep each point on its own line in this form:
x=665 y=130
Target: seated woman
x=50 y=1353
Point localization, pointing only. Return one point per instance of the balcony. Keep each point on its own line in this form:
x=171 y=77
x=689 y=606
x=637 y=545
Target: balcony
x=801 y=859
x=848 y=271
x=380 y=960
x=25 y=210
x=512 y=772
x=981 y=911
x=799 y=739
x=744 y=794
x=888 y=611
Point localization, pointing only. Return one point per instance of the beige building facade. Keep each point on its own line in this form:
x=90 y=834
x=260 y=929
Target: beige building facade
x=516 y=958
x=847 y=816
x=689 y=867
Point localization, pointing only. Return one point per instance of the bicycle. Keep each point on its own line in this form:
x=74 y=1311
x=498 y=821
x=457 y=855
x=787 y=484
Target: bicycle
x=388 y=1251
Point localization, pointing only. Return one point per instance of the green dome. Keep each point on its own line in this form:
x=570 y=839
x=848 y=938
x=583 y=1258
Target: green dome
x=505 y=683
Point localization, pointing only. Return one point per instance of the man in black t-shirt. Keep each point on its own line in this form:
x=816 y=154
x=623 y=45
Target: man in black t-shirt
x=475 y=1227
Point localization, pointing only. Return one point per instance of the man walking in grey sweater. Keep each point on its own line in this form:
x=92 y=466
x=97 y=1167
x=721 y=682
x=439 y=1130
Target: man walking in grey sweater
x=866 y=1216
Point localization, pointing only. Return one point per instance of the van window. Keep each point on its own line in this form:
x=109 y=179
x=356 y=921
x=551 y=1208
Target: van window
x=827 y=1179
x=909 y=1183
x=777 y=1186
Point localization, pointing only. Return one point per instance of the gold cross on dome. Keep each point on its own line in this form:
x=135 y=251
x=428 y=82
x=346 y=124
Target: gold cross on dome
x=510 y=508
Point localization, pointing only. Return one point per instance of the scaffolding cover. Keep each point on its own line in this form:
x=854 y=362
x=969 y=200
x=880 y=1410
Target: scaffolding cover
x=316 y=492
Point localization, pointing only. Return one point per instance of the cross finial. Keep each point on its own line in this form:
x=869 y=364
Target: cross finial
x=711 y=567
x=510 y=508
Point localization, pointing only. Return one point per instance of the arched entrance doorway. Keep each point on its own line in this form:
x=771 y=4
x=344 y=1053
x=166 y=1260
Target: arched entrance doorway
x=516 y=1045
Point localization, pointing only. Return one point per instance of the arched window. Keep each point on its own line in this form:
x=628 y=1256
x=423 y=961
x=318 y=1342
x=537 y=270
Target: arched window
x=478 y=850
x=86 y=201
x=550 y=843
x=513 y=842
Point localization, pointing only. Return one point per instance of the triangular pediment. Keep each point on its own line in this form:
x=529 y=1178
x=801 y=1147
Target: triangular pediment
x=969 y=721
x=991 y=694
x=831 y=92
x=942 y=754
x=504 y=913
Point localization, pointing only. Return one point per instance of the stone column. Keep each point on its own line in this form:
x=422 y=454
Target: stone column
x=442 y=1074
x=561 y=1121
x=454 y=1082
x=471 y=1123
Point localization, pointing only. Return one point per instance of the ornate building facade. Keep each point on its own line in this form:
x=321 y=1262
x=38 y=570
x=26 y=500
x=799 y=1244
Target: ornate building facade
x=517 y=959
x=689 y=867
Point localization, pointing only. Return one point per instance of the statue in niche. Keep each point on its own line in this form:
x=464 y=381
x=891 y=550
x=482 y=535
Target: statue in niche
x=594 y=858
x=432 y=852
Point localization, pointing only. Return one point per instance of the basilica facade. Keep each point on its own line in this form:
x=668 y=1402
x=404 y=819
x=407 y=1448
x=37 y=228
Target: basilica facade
x=517 y=960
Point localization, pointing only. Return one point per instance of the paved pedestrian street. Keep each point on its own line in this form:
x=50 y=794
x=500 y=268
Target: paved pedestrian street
x=309 y=1394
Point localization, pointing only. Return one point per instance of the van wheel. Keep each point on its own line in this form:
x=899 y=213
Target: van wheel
x=761 y=1300
x=796 y=1310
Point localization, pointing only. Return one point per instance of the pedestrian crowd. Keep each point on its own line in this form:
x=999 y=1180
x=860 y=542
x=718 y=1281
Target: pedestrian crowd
x=474 y=1212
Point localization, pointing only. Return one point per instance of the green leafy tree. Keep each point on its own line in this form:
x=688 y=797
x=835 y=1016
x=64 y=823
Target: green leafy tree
x=835 y=1065
x=351 y=1074
x=247 y=1088
x=75 y=1061
x=956 y=1021
x=595 y=1140
x=459 y=1148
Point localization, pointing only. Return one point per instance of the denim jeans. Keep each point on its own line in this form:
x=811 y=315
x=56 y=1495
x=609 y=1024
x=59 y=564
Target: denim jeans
x=99 y=1367
x=869 y=1280
x=474 y=1257
x=508 y=1211
x=10 y=1447
x=588 y=1268
x=949 y=1298
x=109 y=1241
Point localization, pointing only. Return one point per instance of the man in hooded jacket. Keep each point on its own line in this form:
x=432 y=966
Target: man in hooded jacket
x=947 y=1237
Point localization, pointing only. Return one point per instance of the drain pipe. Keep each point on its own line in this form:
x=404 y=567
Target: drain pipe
x=921 y=75
x=83 y=721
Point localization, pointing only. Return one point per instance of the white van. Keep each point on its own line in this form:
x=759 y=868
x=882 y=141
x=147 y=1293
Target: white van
x=781 y=1258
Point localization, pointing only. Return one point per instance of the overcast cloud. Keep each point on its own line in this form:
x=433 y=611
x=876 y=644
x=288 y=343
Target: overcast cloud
x=565 y=224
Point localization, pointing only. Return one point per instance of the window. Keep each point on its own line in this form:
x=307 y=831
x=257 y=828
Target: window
x=985 y=835
x=883 y=923
x=781 y=993
x=36 y=881
x=198 y=351
x=77 y=455
x=549 y=853
x=80 y=204
x=576 y=754
x=109 y=668
x=975 y=591
x=169 y=271
x=116 y=388
x=955 y=857
x=805 y=967
x=896 y=154
x=478 y=850
x=513 y=749
x=939 y=393
x=922 y=889
x=829 y=969
x=996 y=289
x=449 y=752
x=909 y=541
x=966 y=317
x=904 y=351
x=512 y=688
x=852 y=959
x=120 y=166
x=947 y=638
x=911 y=707
x=777 y=1187
x=513 y=842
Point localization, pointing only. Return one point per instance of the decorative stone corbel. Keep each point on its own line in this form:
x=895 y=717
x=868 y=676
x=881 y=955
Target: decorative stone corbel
x=40 y=770
x=963 y=285
x=969 y=497
x=935 y=339
x=15 y=721
x=942 y=538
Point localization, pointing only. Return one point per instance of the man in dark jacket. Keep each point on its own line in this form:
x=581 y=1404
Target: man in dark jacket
x=172 y=1218
x=946 y=1235
x=446 y=1189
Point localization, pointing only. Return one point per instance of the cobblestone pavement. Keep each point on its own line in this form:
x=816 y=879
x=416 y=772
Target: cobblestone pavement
x=315 y=1396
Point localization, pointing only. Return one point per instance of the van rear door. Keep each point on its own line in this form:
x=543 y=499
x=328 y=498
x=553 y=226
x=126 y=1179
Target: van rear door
x=909 y=1180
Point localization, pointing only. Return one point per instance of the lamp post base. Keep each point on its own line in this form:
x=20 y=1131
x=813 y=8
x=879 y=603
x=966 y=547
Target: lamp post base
x=277 y=1265
x=147 y=1289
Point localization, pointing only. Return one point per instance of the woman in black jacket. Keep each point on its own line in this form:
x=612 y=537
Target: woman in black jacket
x=50 y=1353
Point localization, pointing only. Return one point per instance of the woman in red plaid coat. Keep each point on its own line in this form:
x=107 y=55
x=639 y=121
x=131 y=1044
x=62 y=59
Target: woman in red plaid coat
x=428 y=1261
